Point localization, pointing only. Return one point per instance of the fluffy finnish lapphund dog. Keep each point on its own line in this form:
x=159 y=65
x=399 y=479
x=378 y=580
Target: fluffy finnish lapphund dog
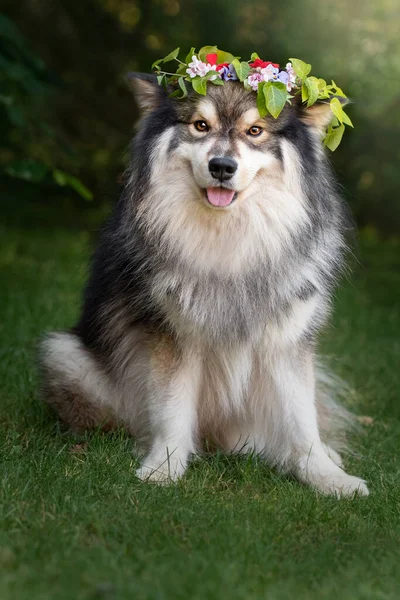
x=208 y=288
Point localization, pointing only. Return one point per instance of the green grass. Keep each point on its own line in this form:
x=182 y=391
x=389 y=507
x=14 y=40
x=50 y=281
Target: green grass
x=76 y=523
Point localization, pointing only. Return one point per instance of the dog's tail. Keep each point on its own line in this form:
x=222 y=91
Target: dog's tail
x=335 y=421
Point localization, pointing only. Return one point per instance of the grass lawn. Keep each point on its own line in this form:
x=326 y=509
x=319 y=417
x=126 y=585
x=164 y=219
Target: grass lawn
x=76 y=524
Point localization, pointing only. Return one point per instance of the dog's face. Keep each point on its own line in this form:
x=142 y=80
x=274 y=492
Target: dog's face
x=230 y=151
x=227 y=143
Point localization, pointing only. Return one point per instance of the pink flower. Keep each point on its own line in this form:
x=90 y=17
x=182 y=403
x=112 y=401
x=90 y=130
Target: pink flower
x=254 y=80
x=292 y=76
x=197 y=67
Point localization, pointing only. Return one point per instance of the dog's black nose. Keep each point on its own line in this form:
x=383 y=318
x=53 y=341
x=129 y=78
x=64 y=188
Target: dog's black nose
x=222 y=168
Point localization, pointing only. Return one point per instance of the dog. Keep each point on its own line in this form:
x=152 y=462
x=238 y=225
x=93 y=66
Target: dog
x=210 y=283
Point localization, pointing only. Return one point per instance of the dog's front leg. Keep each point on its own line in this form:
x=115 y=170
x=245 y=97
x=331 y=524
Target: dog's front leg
x=293 y=439
x=172 y=413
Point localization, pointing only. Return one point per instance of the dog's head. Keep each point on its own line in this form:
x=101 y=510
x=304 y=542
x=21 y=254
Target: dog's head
x=228 y=148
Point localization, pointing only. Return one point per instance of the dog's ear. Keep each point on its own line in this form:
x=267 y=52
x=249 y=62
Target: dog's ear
x=319 y=115
x=148 y=94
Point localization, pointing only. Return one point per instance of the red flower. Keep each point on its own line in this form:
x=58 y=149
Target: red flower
x=222 y=65
x=258 y=63
x=262 y=64
x=211 y=58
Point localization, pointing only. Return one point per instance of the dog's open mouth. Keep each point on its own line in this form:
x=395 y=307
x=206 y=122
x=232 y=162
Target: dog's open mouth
x=219 y=196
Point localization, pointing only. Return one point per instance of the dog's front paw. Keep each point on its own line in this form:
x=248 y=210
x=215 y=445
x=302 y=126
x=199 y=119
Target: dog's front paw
x=164 y=471
x=321 y=472
x=341 y=485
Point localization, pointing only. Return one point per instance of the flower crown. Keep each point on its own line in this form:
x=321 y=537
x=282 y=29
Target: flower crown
x=272 y=84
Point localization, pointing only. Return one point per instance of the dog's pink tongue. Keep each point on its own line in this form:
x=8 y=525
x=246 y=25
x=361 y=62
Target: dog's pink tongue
x=218 y=196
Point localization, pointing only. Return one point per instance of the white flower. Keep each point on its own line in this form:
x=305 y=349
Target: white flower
x=270 y=73
x=197 y=67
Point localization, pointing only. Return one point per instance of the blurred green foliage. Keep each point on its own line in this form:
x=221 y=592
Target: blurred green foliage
x=90 y=45
x=25 y=151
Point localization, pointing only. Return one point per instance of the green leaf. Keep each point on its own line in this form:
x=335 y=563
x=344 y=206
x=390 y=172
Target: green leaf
x=242 y=69
x=304 y=93
x=254 y=56
x=156 y=64
x=63 y=179
x=301 y=68
x=337 y=109
x=334 y=137
x=200 y=85
x=218 y=81
x=322 y=88
x=188 y=58
x=346 y=119
x=328 y=90
x=338 y=91
x=207 y=50
x=162 y=80
x=181 y=92
x=247 y=86
x=245 y=69
x=261 y=101
x=275 y=97
x=223 y=56
x=183 y=87
x=171 y=56
x=210 y=76
x=313 y=90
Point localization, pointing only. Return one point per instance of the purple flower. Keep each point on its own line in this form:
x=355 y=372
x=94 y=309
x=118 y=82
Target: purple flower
x=228 y=73
x=283 y=77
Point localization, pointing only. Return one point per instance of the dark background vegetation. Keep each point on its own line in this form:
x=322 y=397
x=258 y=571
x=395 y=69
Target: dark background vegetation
x=66 y=115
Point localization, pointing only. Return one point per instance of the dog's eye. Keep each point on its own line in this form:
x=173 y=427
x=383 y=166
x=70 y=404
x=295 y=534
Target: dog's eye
x=201 y=126
x=255 y=131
